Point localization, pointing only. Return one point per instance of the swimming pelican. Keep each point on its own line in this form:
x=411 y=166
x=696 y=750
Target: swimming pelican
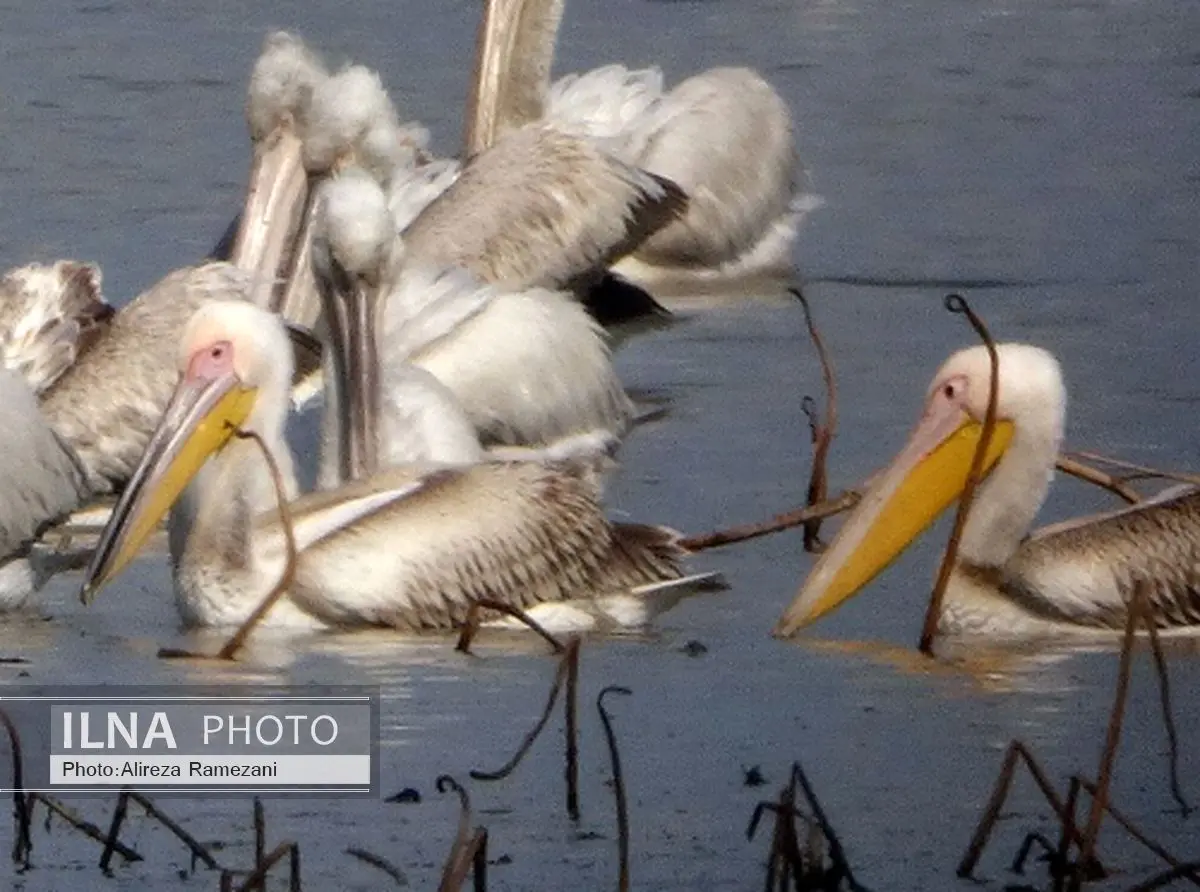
x=1067 y=577
x=409 y=547
x=84 y=388
x=724 y=136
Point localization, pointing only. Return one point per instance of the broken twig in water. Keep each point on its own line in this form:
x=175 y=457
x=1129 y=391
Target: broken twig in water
x=614 y=756
x=823 y=430
x=87 y=828
x=1164 y=696
x=258 y=877
x=956 y=303
x=380 y=863
x=238 y=639
x=839 y=503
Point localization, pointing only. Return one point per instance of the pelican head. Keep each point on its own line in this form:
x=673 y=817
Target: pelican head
x=235 y=365
x=351 y=120
x=354 y=246
x=930 y=473
x=281 y=84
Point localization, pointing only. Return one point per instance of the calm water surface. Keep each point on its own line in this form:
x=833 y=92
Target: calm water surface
x=1040 y=156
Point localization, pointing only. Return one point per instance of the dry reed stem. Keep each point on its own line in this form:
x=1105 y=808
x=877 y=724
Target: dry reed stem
x=258 y=877
x=238 y=639
x=468 y=852
x=955 y=303
x=1164 y=695
x=87 y=828
x=380 y=863
x=1113 y=484
x=22 y=840
x=199 y=852
x=1167 y=877
x=614 y=757
x=836 y=853
x=1136 y=833
x=1139 y=472
x=560 y=676
x=260 y=840
x=823 y=432
x=1112 y=737
x=1000 y=790
x=743 y=532
x=571 y=727
x=471 y=625
x=114 y=829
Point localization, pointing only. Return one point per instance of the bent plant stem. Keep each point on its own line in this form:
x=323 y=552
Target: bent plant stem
x=791 y=519
x=957 y=304
x=234 y=644
x=1000 y=790
x=379 y=862
x=560 y=676
x=1138 y=471
x=1078 y=469
x=822 y=432
x=1112 y=739
x=1137 y=834
x=471 y=624
x=1164 y=693
x=836 y=852
x=22 y=841
x=614 y=756
x=199 y=852
x=468 y=851
x=87 y=828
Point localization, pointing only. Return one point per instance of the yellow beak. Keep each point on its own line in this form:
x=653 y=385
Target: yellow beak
x=199 y=420
x=924 y=480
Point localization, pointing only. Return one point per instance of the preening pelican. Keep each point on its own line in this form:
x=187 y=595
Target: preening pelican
x=1068 y=577
x=525 y=361
x=408 y=547
x=724 y=136
x=523 y=368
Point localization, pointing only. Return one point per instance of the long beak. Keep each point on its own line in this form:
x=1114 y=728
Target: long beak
x=272 y=215
x=491 y=63
x=901 y=503
x=349 y=310
x=299 y=303
x=200 y=418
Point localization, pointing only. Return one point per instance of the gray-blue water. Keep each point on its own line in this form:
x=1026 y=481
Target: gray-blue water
x=1038 y=156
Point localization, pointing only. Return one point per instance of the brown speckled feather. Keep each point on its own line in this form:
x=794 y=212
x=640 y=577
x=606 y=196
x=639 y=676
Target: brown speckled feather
x=1085 y=573
x=541 y=208
x=49 y=316
x=522 y=533
x=109 y=402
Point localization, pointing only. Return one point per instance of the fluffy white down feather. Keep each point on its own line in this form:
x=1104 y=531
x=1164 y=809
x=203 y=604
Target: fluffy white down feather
x=283 y=77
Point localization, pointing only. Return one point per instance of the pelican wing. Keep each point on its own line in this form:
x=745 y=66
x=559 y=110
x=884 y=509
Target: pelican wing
x=521 y=533
x=541 y=208
x=1085 y=573
x=41 y=481
x=109 y=402
x=49 y=316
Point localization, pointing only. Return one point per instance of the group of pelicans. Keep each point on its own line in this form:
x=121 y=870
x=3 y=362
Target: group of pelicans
x=451 y=314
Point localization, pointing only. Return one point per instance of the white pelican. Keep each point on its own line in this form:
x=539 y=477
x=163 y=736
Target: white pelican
x=547 y=210
x=409 y=547
x=83 y=390
x=267 y=231
x=724 y=136
x=1068 y=577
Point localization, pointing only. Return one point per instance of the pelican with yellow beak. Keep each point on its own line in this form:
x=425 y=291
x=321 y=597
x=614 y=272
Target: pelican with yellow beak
x=1074 y=576
x=410 y=547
